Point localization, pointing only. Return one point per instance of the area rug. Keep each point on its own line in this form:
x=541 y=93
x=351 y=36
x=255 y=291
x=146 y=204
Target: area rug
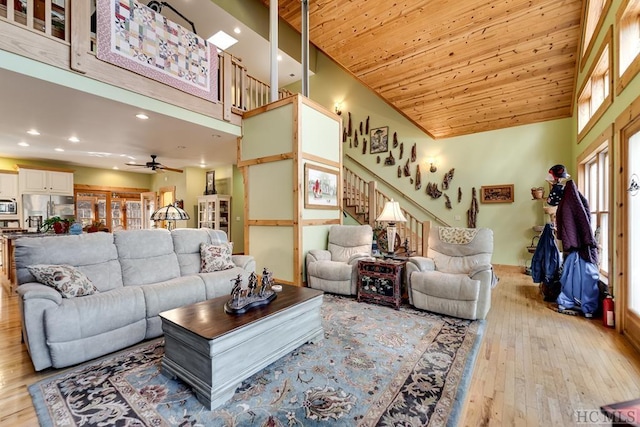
x=376 y=366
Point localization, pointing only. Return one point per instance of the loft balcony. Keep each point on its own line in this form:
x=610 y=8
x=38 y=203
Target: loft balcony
x=59 y=33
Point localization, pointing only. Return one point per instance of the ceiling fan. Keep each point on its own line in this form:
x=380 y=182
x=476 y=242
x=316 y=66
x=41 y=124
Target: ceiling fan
x=156 y=166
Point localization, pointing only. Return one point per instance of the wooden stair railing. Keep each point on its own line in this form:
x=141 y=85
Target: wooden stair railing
x=364 y=202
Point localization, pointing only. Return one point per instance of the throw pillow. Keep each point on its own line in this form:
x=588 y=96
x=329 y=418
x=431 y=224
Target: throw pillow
x=215 y=257
x=66 y=279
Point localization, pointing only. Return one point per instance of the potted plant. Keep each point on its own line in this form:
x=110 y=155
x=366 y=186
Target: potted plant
x=59 y=225
x=95 y=226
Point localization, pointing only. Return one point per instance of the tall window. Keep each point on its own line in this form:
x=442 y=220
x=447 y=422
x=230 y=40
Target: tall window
x=594 y=178
x=596 y=12
x=628 y=43
x=597 y=191
x=596 y=95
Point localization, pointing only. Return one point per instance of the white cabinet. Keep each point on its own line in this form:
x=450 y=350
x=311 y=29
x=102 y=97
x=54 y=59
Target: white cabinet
x=38 y=181
x=8 y=185
x=214 y=211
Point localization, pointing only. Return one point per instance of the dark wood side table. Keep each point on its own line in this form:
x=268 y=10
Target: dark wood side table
x=380 y=281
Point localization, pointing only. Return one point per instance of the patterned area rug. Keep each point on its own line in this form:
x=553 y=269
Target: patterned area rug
x=376 y=366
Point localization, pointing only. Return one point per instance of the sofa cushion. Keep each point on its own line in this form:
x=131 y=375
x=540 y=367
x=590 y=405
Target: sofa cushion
x=168 y=295
x=216 y=257
x=66 y=279
x=146 y=256
x=220 y=283
x=348 y=240
x=457 y=287
x=94 y=254
x=96 y=314
x=80 y=329
x=460 y=257
x=186 y=243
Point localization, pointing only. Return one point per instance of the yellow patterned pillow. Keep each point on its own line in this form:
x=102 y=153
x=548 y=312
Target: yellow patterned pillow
x=457 y=236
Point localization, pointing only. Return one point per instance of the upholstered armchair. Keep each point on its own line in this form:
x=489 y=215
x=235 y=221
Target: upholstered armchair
x=456 y=276
x=335 y=269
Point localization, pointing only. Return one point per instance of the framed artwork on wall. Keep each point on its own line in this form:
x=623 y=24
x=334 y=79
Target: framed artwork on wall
x=321 y=187
x=379 y=140
x=496 y=193
x=210 y=187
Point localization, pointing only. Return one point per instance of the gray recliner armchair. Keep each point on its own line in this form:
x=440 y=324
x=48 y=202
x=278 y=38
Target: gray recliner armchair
x=335 y=269
x=456 y=276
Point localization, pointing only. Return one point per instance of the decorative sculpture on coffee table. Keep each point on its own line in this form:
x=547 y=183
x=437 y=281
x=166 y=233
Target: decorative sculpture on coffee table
x=243 y=300
x=266 y=281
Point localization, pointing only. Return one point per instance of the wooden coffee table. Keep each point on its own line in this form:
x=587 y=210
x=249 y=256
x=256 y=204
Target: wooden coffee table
x=214 y=352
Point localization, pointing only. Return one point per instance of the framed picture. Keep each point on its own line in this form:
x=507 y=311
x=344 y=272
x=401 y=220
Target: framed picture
x=321 y=187
x=211 y=183
x=496 y=193
x=379 y=140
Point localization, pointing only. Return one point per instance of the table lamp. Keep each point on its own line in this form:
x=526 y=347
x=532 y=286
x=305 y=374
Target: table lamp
x=171 y=214
x=391 y=214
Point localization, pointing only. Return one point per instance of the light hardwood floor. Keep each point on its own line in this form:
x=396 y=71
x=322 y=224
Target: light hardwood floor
x=535 y=367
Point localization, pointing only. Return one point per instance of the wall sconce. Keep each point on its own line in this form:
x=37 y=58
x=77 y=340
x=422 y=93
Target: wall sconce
x=338 y=108
x=634 y=186
x=432 y=162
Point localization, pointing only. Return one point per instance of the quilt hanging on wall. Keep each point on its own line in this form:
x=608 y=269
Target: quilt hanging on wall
x=133 y=36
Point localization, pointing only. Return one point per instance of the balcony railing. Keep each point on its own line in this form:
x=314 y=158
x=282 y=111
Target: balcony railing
x=238 y=91
x=46 y=16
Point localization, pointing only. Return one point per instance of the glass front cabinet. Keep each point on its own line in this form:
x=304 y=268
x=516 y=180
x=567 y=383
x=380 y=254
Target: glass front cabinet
x=214 y=211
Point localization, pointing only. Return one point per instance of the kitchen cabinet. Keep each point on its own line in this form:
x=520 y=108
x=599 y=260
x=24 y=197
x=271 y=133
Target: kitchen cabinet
x=40 y=181
x=8 y=185
x=214 y=211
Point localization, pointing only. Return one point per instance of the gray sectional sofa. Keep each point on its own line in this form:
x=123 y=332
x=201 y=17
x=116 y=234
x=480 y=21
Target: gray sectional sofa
x=138 y=274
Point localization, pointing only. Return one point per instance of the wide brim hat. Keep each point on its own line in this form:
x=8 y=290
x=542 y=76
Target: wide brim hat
x=557 y=172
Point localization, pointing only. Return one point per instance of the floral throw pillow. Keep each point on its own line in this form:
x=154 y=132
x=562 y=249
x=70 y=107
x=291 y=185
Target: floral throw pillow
x=66 y=279
x=215 y=257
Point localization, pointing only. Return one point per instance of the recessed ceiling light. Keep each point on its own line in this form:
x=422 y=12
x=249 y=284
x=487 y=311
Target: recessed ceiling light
x=279 y=57
x=23 y=144
x=59 y=149
x=33 y=132
x=222 y=40
x=142 y=116
x=74 y=139
x=237 y=30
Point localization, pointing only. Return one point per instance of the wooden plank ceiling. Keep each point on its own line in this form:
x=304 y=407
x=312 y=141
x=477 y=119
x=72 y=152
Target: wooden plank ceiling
x=454 y=67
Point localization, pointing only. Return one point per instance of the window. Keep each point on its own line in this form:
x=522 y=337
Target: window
x=596 y=12
x=594 y=173
x=628 y=42
x=596 y=95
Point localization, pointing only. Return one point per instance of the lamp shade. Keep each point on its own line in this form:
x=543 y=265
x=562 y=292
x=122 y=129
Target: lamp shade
x=391 y=213
x=169 y=213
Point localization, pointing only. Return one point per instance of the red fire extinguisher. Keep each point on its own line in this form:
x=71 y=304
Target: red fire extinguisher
x=608 y=314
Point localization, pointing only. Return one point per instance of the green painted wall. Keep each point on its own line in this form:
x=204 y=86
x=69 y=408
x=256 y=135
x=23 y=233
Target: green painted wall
x=519 y=155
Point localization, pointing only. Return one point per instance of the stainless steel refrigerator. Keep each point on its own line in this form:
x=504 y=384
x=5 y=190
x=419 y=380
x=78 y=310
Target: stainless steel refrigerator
x=36 y=208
